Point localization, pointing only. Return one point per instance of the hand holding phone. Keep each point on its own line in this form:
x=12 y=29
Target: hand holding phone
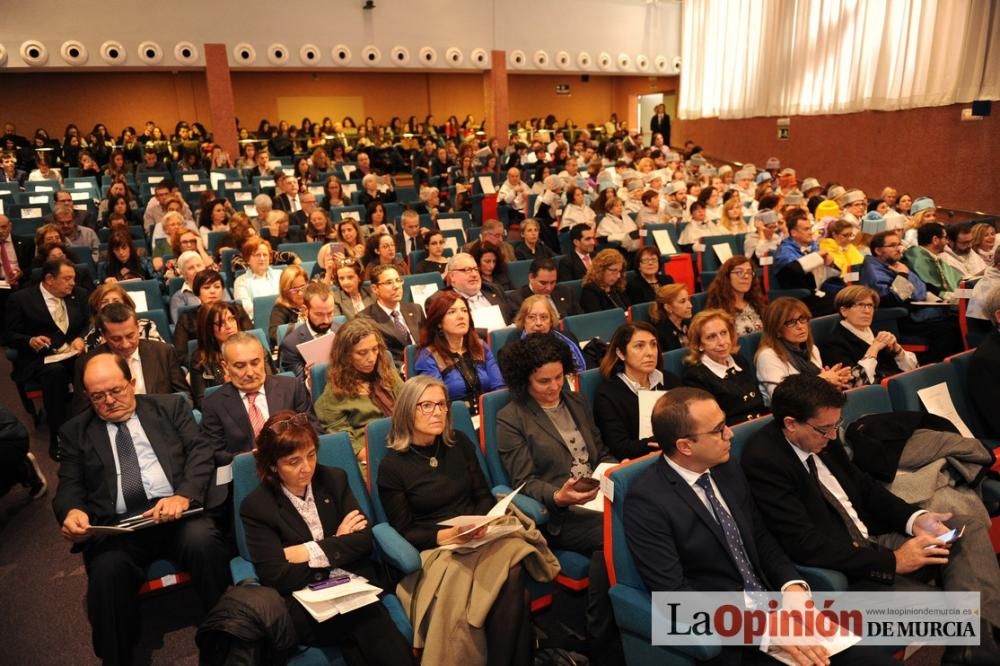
x=586 y=484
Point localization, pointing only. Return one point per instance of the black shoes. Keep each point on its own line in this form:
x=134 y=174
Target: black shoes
x=34 y=479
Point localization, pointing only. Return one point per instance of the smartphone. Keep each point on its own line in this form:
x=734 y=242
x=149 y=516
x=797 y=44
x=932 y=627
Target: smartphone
x=586 y=484
x=951 y=536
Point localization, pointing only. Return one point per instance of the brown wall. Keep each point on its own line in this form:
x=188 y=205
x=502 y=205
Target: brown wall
x=925 y=151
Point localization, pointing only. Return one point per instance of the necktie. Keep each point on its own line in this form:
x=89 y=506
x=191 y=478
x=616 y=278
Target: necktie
x=256 y=417
x=62 y=321
x=404 y=331
x=133 y=492
x=135 y=365
x=852 y=528
x=8 y=269
x=413 y=246
x=751 y=583
x=586 y=260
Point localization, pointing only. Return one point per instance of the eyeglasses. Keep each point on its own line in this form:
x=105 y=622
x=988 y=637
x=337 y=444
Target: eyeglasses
x=428 y=407
x=742 y=274
x=300 y=419
x=864 y=306
x=792 y=323
x=391 y=283
x=115 y=393
x=718 y=431
x=297 y=290
x=826 y=432
x=538 y=317
x=648 y=260
x=467 y=271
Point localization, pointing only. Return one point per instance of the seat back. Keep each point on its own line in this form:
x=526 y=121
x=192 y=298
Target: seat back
x=517 y=271
x=865 y=400
x=420 y=278
x=376 y=447
x=490 y=405
x=304 y=251
x=698 y=301
x=317 y=376
x=822 y=328
x=673 y=361
x=617 y=556
x=588 y=382
x=640 y=311
x=749 y=344
x=903 y=390
x=150 y=290
x=743 y=432
x=461 y=421
x=502 y=336
x=410 y=360
x=158 y=317
x=591 y=325
x=262 y=307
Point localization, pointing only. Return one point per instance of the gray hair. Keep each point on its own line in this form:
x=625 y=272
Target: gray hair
x=62 y=209
x=427 y=192
x=186 y=256
x=242 y=338
x=455 y=257
x=263 y=201
x=491 y=225
x=991 y=303
x=370 y=178
x=404 y=414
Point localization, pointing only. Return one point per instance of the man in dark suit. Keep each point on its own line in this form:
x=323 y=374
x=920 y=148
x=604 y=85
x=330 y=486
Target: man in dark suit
x=410 y=238
x=462 y=275
x=542 y=280
x=234 y=414
x=287 y=193
x=678 y=511
x=126 y=456
x=320 y=310
x=15 y=260
x=660 y=124
x=399 y=323
x=300 y=218
x=153 y=364
x=827 y=513
x=574 y=265
x=44 y=320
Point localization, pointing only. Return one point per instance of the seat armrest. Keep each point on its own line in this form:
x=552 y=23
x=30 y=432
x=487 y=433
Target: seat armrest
x=823 y=580
x=399 y=552
x=243 y=571
x=633 y=614
x=530 y=507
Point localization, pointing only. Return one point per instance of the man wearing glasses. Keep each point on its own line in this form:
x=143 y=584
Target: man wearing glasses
x=691 y=523
x=399 y=322
x=828 y=513
x=462 y=275
x=134 y=455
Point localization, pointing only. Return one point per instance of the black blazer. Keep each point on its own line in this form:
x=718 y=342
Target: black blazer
x=564 y=298
x=524 y=253
x=738 y=396
x=842 y=346
x=982 y=385
x=677 y=544
x=413 y=316
x=640 y=291
x=272 y=523
x=811 y=531
x=280 y=314
x=668 y=335
x=224 y=417
x=571 y=267
x=616 y=412
x=161 y=372
x=87 y=477
x=658 y=126
x=403 y=246
x=284 y=203
x=27 y=317
x=594 y=299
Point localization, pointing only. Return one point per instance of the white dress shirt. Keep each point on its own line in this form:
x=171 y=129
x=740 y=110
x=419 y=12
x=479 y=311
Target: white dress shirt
x=135 y=365
x=306 y=507
x=718 y=369
x=260 y=401
x=57 y=308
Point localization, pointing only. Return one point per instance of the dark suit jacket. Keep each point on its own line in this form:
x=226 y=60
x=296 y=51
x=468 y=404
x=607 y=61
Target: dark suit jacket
x=677 y=544
x=160 y=371
x=640 y=291
x=563 y=297
x=282 y=202
x=616 y=412
x=27 y=317
x=810 y=531
x=658 y=126
x=534 y=453
x=413 y=316
x=87 y=478
x=594 y=299
x=224 y=417
x=571 y=268
x=272 y=523
x=982 y=385
x=495 y=295
x=289 y=357
x=842 y=346
x=403 y=245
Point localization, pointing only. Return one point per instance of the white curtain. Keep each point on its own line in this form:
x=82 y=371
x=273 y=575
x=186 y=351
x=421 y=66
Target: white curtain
x=744 y=58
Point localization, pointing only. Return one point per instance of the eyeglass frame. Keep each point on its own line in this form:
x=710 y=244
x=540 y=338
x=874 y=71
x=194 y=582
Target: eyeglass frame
x=101 y=396
x=428 y=407
x=792 y=323
x=826 y=432
x=718 y=431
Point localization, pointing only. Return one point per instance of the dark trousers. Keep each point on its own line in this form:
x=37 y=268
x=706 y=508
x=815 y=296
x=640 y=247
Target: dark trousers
x=13 y=449
x=582 y=531
x=366 y=635
x=55 y=379
x=116 y=568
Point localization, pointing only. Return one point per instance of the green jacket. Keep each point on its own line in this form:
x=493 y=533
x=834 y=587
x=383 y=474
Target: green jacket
x=351 y=414
x=938 y=275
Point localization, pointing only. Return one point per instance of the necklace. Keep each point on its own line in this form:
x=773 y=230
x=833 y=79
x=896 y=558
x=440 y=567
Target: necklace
x=431 y=460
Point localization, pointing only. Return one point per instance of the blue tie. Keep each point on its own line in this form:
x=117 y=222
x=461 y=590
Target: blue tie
x=733 y=539
x=133 y=492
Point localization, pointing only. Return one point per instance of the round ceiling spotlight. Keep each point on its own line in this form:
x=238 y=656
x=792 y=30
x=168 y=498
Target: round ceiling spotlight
x=34 y=52
x=113 y=53
x=371 y=55
x=454 y=57
x=309 y=54
x=244 y=54
x=480 y=57
x=400 y=55
x=584 y=61
x=604 y=61
x=518 y=59
x=73 y=52
x=186 y=53
x=541 y=58
x=642 y=62
x=150 y=53
x=428 y=56
x=563 y=60
x=341 y=54
x=277 y=54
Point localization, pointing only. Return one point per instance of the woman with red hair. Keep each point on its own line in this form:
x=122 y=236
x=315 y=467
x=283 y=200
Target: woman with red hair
x=451 y=352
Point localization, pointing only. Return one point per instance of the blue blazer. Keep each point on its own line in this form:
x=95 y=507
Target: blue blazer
x=490 y=378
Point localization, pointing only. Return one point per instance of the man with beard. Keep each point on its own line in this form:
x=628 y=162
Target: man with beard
x=959 y=254
x=320 y=309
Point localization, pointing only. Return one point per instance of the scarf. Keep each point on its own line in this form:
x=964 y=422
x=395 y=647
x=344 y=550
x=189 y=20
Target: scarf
x=380 y=396
x=800 y=359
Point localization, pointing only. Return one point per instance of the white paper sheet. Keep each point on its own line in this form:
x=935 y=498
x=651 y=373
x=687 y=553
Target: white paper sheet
x=348 y=170
x=30 y=213
x=215 y=179
x=140 y=300
x=250 y=210
x=153 y=180
x=198 y=187
x=475 y=522
x=224 y=474
x=317 y=350
x=451 y=243
x=266 y=182
x=766 y=261
x=273 y=164
x=486 y=183
x=349 y=189
x=451 y=224
x=243 y=196
x=351 y=215
x=190 y=177
x=81 y=185
x=232 y=185
x=647 y=400
x=62 y=356
x=490 y=318
x=419 y=293
x=723 y=252
x=938 y=401
x=79 y=196
x=316 y=190
x=597 y=504
x=663 y=242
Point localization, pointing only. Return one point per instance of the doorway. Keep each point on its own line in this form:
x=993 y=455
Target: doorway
x=646 y=110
